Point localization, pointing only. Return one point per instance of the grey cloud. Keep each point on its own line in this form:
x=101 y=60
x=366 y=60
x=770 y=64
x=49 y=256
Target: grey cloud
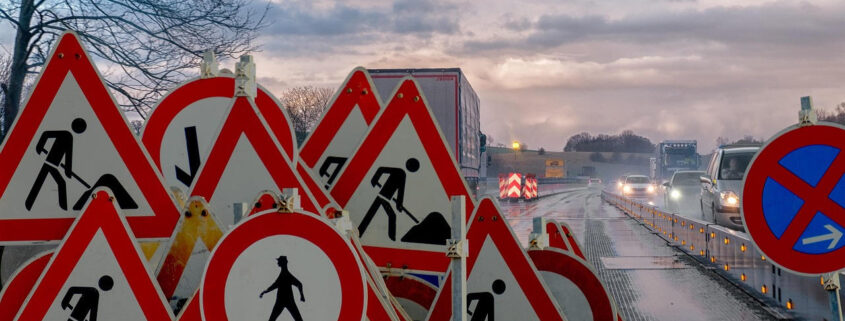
x=767 y=24
x=404 y=16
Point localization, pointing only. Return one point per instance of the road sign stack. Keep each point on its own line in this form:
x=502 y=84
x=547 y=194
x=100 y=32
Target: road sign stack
x=214 y=214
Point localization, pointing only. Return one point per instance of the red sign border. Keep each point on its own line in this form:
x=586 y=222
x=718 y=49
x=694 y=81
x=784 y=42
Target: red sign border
x=512 y=252
x=197 y=89
x=99 y=215
x=68 y=56
x=408 y=102
x=563 y=263
x=243 y=120
x=357 y=91
x=754 y=179
x=20 y=284
x=304 y=225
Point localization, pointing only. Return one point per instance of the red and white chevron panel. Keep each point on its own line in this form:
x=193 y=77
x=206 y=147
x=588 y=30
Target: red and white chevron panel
x=514 y=185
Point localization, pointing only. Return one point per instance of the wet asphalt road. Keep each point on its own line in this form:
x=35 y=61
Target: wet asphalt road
x=649 y=280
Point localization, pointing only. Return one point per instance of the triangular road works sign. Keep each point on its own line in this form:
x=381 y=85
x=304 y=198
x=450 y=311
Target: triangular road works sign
x=245 y=160
x=181 y=128
x=342 y=128
x=69 y=139
x=98 y=271
x=501 y=279
x=398 y=185
x=187 y=251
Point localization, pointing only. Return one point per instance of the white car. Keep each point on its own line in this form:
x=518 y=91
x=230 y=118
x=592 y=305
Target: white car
x=638 y=186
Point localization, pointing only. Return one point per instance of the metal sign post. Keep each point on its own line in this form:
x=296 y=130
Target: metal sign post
x=456 y=251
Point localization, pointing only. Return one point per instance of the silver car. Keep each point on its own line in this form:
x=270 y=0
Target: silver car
x=683 y=192
x=721 y=186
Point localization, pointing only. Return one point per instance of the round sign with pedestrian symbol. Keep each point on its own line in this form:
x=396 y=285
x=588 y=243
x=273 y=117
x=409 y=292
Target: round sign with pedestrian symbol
x=793 y=204
x=286 y=266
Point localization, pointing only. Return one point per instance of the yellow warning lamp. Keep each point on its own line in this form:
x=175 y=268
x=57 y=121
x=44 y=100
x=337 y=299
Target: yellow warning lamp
x=516 y=145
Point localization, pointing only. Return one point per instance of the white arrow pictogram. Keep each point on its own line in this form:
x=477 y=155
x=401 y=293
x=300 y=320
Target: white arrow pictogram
x=834 y=236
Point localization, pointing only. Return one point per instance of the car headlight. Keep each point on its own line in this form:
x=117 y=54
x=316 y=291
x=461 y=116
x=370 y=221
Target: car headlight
x=650 y=189
x=729 y=198
x=675 y=194
x=619 y=184
x=626 y=189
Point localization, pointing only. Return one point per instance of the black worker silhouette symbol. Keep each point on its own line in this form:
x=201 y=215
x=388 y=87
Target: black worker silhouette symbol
x=486 y=306
x=59 y=159
x=89 y=300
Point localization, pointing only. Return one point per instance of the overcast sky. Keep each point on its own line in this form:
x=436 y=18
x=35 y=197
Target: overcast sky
x=545 y=70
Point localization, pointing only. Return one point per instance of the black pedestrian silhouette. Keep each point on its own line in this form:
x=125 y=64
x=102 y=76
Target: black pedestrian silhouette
x=284 y=292
x=62 y=150
x=393 y=185
x=338 y=163
x=89 y=300
x=486 y=306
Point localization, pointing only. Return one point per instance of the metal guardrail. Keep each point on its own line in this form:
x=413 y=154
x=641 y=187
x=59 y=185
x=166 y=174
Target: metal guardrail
x=736 y=258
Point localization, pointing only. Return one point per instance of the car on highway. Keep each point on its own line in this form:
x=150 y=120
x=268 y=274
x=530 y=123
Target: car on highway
x=683 y=191
x=638 y=186
x=721 y=184
x=594 y=182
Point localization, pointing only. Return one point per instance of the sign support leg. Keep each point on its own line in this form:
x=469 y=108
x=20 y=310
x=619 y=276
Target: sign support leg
x=832 y=285
x=457 y=247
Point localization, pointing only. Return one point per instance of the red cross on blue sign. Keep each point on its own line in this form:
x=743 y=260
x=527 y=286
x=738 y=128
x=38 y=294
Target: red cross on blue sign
x=794 y=199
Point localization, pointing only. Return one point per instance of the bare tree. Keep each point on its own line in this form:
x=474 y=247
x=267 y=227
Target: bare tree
x=136 y=125
x=305 y=105
x=147 y=45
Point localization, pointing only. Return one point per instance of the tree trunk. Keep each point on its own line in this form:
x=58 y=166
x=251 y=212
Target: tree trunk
x=17 y=74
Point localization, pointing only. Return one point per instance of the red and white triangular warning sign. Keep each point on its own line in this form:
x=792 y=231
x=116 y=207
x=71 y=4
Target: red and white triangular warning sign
x=245 y=160
x=342 y=128
x=181 y=128
x=283 y=264
x=397 y=186
x=98 y=271
x=501 y=279
x=19 y=285
x=188 y=249
x=70 y=139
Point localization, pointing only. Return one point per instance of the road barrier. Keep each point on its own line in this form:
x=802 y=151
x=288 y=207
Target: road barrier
x=736 y=258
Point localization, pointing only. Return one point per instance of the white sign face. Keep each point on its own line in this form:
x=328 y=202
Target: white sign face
x=244 y=161
x=183 y=127
x=244 y=177
x=306 y=270
x=285 y=266
x=342 y=128
x=340 y=149
x=70 y=155
x=96 y=273
x=492 y=288
x=187 y=139
x=96 y=285
x=401 y=202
